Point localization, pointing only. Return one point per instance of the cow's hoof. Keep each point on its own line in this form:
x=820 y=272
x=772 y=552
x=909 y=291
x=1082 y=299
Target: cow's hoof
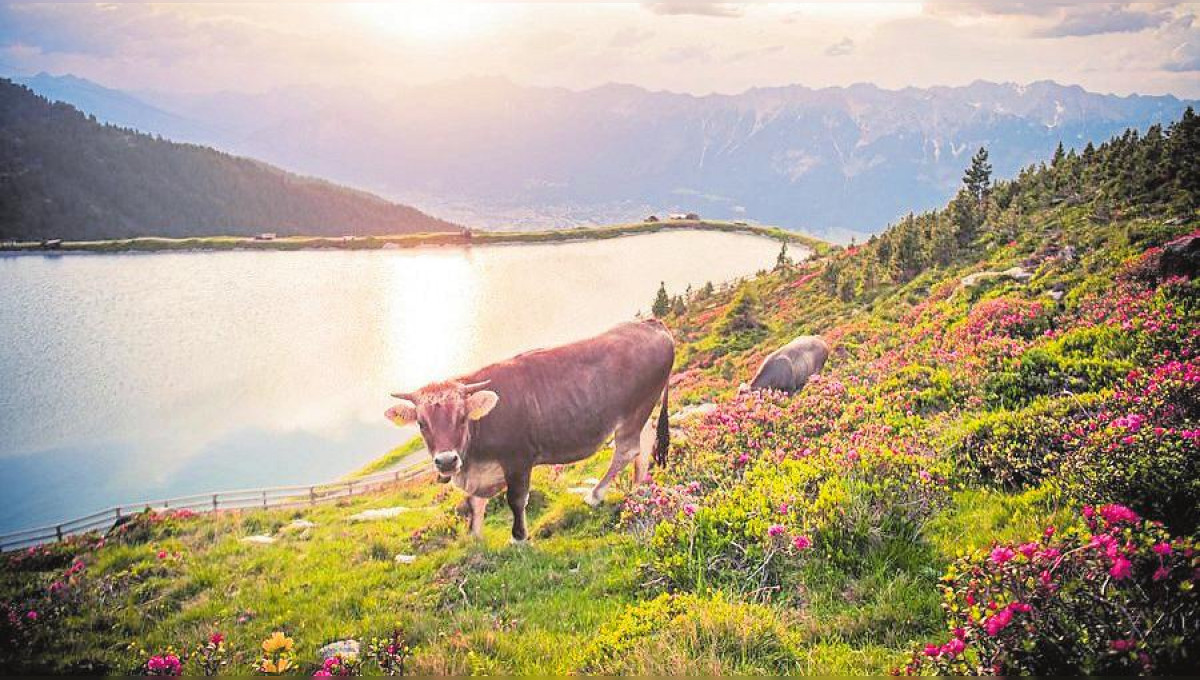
x=518 y=541
x=592 y=499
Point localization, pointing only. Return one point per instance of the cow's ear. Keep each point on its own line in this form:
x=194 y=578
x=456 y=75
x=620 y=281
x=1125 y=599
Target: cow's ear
x=403 y=413
x=481 y=403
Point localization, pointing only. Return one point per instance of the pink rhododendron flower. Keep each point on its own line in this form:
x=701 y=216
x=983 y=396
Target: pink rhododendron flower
x=775 y=530
x=1002 y=554
x=689 y=509
x=1117 y=514
x=1122 y=645
x=954 y=647
x=802 y=542
x=32 y=615
x=1162 y=549
x=997 y=622
x=1121 y=568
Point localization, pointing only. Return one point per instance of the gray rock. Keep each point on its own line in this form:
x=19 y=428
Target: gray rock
x=344 y=647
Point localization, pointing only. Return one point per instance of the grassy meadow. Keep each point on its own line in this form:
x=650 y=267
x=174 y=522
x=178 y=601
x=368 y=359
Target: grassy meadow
x=992 y=475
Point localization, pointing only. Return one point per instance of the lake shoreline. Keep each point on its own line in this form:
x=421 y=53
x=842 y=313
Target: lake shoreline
x=154 y=244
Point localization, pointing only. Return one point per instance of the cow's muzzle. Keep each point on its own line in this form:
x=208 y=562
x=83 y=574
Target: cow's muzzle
x=447 y=462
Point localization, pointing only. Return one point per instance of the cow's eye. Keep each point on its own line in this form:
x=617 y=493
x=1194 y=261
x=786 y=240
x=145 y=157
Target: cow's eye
x=422 y=425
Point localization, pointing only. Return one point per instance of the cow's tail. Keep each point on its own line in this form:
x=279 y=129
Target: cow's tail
x=662 y=437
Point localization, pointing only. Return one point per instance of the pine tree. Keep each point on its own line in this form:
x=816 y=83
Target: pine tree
x=662 y=302
x=978 y=178
x=783 y=261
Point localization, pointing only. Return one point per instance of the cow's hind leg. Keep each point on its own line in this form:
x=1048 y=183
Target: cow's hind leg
x=517 y=495
x=626 y=449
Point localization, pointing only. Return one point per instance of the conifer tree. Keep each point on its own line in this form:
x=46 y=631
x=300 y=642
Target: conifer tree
x=662 y=302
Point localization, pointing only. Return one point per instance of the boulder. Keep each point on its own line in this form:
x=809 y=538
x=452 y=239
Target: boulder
x=378 y=513
x=259 y=539
x=346 y=648
x=1181 y=257
x=405 y=559
x=1018 y=274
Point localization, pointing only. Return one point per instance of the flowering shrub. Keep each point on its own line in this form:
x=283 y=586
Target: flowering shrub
x=164 y=664
x=390 y=653
x=339 y=665
x=1142 y=447
x=1015 y=449
x=212 y=656
x=1117 y=597
x=785 y=477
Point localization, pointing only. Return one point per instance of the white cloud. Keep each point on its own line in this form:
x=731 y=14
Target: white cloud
x=840 y=48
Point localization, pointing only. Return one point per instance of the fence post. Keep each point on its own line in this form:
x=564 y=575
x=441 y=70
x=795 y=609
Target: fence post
x=264 y=498
x=350 y=488
x=214 y=501
x=312 y=495
x=58 y=532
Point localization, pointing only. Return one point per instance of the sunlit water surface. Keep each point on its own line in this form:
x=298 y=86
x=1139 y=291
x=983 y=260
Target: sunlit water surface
x=136 y=377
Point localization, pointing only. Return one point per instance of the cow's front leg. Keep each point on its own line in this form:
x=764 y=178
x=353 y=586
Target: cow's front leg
x=478 y=506
x=517 y=493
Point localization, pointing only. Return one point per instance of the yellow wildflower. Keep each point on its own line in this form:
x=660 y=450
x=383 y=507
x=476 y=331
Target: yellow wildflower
x=275 y=667
x=278 y=642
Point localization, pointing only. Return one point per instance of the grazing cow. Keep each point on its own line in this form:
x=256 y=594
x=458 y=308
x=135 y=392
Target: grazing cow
x=789 y=367
x=486 y=430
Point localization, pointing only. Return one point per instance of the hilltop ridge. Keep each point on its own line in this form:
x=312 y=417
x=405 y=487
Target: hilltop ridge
x=71 y=177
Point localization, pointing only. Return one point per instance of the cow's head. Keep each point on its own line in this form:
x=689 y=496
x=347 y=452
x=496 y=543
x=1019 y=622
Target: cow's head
x=443 y=411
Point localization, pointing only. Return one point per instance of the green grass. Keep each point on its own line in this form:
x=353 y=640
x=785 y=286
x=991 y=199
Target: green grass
x=154 y=244
x=390 y=458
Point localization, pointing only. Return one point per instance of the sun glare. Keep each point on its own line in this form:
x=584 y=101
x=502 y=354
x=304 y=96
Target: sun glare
x=428 y=21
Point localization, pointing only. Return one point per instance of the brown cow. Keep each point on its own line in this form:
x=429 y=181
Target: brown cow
x=487 y=430
x=789 y=367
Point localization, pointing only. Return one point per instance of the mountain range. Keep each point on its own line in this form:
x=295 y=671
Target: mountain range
x=836 y=162
x=67 y=175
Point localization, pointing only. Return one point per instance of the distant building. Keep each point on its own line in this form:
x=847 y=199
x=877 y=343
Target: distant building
x=677 y=216
x=692 y=216
x=265 y=236
x=652 y=218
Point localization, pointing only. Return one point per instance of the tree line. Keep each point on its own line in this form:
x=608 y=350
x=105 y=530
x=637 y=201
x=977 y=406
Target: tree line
x=63 y=174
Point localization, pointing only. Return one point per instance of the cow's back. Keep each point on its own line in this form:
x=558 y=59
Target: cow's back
x=807 y=355
x=560 y=404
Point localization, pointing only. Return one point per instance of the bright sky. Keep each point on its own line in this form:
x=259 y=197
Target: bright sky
x=696 y=47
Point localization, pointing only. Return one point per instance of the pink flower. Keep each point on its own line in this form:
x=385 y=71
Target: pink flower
x=1161 y=573
x=689 y=509
x=742 y=459
x=802 y=542
x=776 y=530
x=1162 y=549
x=932 y=650
x=1121 y=568
x=216 y=639
x=162 y=554
x=1002 y=554
x=1117 y=514
x=1122 y=645
x=997 y=622
x=954 y=647
x=32 y=615
x=322 y=673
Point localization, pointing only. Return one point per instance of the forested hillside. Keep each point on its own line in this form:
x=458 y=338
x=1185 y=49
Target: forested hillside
x=67 y=176
x=996 y=473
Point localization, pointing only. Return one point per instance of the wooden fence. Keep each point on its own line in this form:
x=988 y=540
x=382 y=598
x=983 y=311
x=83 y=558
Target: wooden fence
x=244 y=499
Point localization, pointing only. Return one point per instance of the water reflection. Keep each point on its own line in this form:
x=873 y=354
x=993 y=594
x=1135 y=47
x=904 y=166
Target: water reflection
x=430 y=307
x=131 y=377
